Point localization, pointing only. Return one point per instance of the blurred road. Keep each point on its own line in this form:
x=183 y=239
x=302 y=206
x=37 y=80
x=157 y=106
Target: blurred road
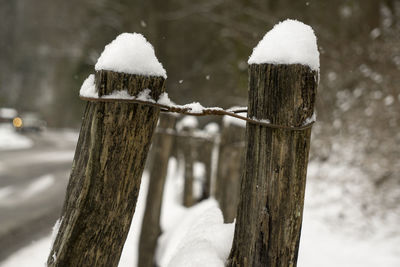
x=32 y=188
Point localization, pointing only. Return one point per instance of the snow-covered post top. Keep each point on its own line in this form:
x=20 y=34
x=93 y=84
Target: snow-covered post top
x=283 y=71
x=187 y=123
x=129 y=53
x=289 y=42
x=212 y=128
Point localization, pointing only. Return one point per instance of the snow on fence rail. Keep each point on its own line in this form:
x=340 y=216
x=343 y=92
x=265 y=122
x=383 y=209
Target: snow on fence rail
x=194 y=109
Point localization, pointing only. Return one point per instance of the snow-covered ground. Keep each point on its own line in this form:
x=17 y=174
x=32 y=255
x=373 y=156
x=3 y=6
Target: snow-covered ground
x=9 y=139
x=11 y=196
x=195 y=236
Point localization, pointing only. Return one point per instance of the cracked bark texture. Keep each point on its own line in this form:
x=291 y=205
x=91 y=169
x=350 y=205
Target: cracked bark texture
x=271 y=201
x=162 y=147
x=106 y=173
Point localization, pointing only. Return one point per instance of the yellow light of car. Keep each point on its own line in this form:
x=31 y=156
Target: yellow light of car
x=17 y=122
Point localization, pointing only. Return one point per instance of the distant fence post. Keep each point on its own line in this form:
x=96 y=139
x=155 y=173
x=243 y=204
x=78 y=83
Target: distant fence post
x=186 y=147
x=230 y=163
x=151 y=230
x=205 y=157
x=188 y=154
x=206 y=146
x=271 y=202
x=106 y=174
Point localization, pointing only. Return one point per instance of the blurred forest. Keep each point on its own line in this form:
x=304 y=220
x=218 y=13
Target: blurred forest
x=49 y=47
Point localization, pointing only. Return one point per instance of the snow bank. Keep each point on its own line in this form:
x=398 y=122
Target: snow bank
x=11 y=196
x=289 y=42
x=197 y=236
x=6 y=191
x=319 y=243
x=9 y=139
x=196 y=254
x=37 y=186
x=8 y=113
x=130 y=53
x=199 y=239
x=130 y=253
x=33 y=255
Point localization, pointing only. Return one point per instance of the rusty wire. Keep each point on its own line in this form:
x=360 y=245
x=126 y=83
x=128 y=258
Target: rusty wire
x=205 y=112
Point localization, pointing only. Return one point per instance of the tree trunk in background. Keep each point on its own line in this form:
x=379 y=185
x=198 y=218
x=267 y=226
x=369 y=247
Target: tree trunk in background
x=106 y=174
x=271 y=202
x=230 y=163
x=151 y=230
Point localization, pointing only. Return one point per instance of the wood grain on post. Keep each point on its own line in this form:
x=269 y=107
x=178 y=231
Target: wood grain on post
x=230 y=163
x=271 y=202
x=106 y=174
x=151 y=229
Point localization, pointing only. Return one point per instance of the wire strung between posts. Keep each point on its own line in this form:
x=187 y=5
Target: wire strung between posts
x=205 y=111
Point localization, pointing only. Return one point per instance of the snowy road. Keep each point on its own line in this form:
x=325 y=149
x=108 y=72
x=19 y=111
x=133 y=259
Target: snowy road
x=32 y=188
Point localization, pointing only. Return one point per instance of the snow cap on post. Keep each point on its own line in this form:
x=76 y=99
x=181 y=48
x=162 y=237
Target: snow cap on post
x=188 y=122
x=130 y=53
x=289 y=42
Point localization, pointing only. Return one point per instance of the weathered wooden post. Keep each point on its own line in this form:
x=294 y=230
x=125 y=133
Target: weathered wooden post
x=230 y=163
x=206 y=146
x=186 y=127
x=109 y=158
x=188 y=197
x=151 y=230
x=270 y=209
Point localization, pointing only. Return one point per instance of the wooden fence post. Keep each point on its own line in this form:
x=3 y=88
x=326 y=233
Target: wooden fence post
x=230 y=163
x=186 y=145
x=151 y=230
x=271 y=202
x=206 y=146
x=188 y=154
x=106 y=174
